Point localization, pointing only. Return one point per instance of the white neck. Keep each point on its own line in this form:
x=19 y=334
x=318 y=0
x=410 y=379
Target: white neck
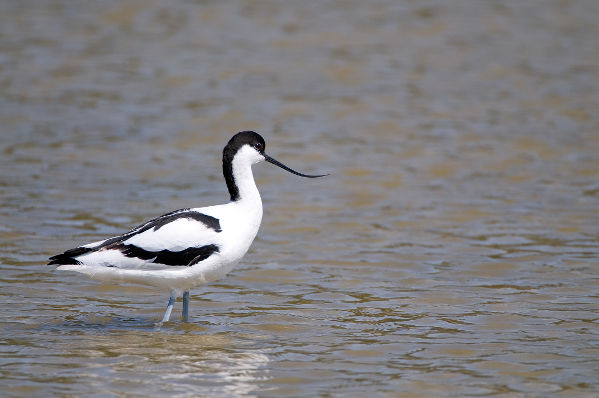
x=244 y=179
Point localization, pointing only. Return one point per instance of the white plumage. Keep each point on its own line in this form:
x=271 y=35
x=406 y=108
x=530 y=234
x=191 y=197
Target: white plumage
x=187 y=247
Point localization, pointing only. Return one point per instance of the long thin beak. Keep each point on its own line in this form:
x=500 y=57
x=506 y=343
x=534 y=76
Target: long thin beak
x=281 y=165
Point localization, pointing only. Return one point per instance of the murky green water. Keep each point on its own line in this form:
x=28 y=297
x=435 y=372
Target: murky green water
x=454 y=250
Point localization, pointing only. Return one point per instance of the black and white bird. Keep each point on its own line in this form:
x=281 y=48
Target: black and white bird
x=188 y=247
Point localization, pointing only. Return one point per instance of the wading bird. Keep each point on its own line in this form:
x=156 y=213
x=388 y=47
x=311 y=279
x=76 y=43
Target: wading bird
x=188 y=247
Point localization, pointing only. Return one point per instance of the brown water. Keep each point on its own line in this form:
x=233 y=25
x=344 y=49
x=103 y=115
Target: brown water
x=453 y=251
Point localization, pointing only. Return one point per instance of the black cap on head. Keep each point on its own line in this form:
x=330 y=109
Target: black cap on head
x=242 y=138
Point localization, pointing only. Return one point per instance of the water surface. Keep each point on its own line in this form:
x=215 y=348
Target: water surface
x=453 y=251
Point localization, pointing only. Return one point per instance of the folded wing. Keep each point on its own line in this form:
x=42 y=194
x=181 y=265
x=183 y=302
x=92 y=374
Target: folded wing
x=180 y=238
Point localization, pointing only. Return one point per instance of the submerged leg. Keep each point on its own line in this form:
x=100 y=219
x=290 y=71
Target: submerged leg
x=186 y=306
x=169 y=308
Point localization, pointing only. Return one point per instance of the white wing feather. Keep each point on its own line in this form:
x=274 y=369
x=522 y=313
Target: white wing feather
x=177 y=235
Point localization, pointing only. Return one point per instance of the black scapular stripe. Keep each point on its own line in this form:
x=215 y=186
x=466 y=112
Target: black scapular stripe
x=159 y=222
x=207 y=220
x=187 y=257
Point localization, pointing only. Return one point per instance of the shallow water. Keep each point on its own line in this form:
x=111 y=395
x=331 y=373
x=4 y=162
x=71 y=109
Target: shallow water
x=453 y=251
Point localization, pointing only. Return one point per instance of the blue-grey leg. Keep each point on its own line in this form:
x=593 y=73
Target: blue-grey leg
x=169 y=308
x=186 y=306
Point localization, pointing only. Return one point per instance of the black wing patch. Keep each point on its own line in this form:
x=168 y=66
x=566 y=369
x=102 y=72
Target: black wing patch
x=69 y=256
x=189 y=256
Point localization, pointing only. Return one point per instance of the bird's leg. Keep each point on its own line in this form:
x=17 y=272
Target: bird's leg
x=169 y=308
x=186 y=306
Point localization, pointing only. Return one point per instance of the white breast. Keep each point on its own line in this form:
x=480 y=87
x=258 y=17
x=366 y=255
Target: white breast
x=239 y=223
